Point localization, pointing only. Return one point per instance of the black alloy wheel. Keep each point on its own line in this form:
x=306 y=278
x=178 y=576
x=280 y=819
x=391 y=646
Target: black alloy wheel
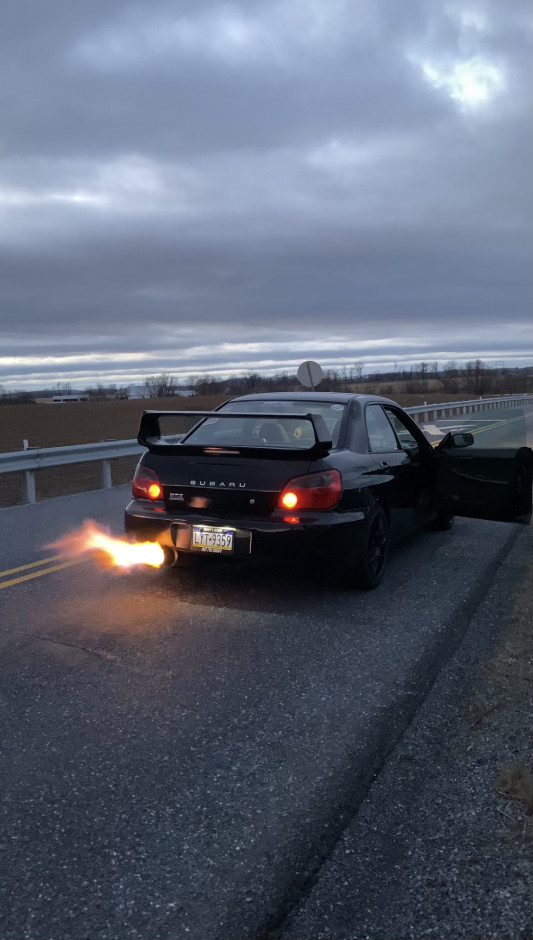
x=372 y=564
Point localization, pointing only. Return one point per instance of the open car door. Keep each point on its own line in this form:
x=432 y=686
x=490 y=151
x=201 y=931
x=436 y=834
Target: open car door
x=481 y=483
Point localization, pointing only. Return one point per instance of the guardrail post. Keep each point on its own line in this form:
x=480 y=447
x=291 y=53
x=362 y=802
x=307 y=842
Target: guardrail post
x=105 y=474
x=29 y=487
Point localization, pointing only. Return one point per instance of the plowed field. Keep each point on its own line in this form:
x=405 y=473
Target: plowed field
x=56 y=425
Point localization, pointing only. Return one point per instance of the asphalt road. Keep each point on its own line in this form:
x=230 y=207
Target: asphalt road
x=508 y=427
x=182 y=750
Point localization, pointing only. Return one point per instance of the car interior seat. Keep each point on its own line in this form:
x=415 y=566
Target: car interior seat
x=273 y=433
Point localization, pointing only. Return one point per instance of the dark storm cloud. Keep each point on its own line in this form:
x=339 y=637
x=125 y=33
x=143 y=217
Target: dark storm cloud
x=262 y=171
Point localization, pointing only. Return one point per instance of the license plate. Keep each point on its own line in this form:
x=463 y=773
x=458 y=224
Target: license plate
x=209 y=538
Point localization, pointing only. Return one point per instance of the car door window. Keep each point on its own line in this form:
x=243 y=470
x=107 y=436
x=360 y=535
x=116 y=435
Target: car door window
x=381 y=437
x=406 y=438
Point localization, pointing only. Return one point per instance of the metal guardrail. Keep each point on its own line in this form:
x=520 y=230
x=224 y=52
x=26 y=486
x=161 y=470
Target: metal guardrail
x=423 y=413
x=29 y=461
x=40 y=457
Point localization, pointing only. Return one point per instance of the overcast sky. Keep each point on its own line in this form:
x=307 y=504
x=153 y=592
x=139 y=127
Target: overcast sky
x=193 y=186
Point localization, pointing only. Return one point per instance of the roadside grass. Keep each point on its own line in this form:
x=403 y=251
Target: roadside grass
x=515 y=782
x=505 y=700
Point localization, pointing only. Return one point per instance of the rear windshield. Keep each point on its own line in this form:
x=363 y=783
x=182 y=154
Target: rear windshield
x=280 y=426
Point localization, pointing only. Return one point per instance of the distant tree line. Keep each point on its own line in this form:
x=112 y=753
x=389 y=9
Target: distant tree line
x=474 y=378
x=95 y=393
x=102 y=392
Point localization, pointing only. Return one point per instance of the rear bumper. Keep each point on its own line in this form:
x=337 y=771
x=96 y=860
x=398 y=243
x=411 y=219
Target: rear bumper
x=328 y=535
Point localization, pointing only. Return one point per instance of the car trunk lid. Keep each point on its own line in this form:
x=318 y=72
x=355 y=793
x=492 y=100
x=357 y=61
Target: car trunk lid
x=228 y=487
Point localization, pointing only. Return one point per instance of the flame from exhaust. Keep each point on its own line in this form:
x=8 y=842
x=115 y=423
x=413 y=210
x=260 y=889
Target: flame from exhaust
x=112 y=552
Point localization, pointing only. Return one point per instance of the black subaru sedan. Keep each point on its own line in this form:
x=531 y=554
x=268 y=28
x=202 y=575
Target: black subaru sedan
x=336 y=476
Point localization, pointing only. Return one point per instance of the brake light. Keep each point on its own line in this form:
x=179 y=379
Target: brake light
x=313 y=491
x=289 y=500
x=146 y=484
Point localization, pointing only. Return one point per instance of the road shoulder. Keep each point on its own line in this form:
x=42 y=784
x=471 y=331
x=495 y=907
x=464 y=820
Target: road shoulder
x=442 y=846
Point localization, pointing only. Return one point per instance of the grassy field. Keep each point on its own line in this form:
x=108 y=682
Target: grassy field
x=56 y=425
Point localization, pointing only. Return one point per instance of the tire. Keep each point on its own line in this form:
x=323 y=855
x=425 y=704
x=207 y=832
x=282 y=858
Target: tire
x=443 y=521
x=371 y=567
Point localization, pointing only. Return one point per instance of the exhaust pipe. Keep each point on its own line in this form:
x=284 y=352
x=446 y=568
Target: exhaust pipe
x=171 y=557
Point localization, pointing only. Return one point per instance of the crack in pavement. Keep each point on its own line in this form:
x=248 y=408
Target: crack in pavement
x=101 y=654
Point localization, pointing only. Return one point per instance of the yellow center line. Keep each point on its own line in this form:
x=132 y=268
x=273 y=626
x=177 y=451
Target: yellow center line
x=495 y=424
x=498 y=423
x=33 y=564
x=39 y=574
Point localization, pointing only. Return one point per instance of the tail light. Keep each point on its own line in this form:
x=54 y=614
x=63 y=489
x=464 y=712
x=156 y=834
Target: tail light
x=146 y=484
x=314 y=491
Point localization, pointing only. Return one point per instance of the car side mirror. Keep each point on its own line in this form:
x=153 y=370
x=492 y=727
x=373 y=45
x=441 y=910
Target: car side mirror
x=412 y=450
x=457 y=439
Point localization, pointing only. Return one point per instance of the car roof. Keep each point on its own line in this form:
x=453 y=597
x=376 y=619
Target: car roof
x=344 y=398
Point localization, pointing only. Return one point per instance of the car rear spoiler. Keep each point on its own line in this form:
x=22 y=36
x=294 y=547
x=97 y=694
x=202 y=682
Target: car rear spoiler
x=150 y=436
